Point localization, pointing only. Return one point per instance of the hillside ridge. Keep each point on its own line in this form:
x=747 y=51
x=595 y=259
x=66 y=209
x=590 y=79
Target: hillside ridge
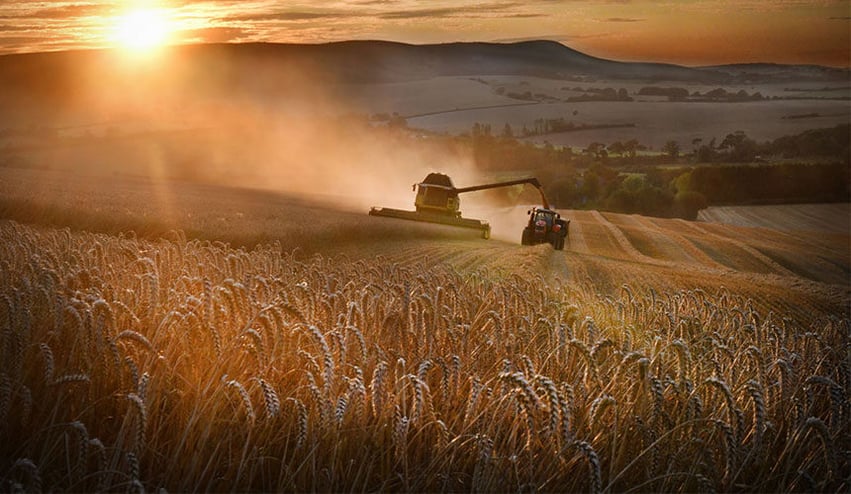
x=387 y=61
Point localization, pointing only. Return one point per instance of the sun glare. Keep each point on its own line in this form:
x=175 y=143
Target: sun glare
x=142 y=30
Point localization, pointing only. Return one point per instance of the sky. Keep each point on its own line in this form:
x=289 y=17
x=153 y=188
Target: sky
x=686 y=32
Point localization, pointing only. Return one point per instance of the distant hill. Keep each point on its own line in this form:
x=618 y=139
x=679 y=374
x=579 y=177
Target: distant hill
x=353 y=62
x=372 y=61
x=382 y=61
x=74 y=80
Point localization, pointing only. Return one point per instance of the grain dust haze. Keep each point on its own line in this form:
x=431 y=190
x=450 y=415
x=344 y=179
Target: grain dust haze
x=283 y=129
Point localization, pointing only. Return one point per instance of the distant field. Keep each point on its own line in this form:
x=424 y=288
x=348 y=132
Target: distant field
x=424 y=96
x=655 y=122
x=820 y=218
x=453 y=104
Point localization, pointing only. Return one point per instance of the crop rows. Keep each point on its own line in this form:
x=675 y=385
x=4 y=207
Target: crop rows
x=129 y=364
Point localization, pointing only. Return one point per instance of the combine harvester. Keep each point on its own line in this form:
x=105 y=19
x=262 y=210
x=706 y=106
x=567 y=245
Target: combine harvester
x=437 y=201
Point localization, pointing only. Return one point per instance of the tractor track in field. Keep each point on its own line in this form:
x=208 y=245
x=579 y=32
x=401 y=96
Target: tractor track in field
x=623 y=242
x=816 y=219
x=669 y=254
x=688 y=248
x=651 y=241
x=721 y=246
x=756 y=254
x=576 y=238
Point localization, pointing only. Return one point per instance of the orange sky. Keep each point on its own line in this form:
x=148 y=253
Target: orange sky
x=688 y=32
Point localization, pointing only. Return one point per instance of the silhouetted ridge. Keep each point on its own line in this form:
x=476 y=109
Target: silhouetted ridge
x=269 y=66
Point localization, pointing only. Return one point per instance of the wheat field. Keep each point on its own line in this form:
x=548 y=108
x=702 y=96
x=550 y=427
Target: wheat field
x=133 y=364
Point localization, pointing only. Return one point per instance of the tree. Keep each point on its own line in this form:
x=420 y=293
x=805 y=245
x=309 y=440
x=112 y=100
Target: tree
x=481 y=130
x=688 y=203
x=740 y=147
x=507 y=132
x=617 y=148
x=595 y=149
x=589 y=187
x=705 y=154
x=718 y=93
x=634 y=183
x=732 y=140
x=563 y=192
x=672 y=149
x=632 y=147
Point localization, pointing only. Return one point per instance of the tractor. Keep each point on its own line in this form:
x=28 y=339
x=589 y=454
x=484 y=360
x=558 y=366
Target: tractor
x=545 y=226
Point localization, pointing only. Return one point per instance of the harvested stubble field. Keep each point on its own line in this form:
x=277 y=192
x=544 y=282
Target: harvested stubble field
x=651 y=355
x=809 y=219
x=653 y=123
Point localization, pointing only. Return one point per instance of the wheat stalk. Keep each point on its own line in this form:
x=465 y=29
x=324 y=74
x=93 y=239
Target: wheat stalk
x=245 y=399
x=48 y=362
x=270 y=398
x=26 y=465
x=141 y=420
x=594 y=467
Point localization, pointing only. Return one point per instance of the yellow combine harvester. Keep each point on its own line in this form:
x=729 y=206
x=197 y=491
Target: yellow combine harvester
x=437 y=201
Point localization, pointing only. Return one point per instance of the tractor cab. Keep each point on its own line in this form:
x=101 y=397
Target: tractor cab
x=543 y=218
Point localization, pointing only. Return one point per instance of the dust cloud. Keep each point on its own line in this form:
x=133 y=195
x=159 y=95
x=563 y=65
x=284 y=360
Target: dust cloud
x=250 y=122
x=256 y=124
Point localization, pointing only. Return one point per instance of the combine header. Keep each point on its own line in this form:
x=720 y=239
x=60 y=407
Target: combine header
x=437 y=201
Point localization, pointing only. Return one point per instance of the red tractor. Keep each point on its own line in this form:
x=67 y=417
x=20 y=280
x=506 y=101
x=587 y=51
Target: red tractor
x=545 y=225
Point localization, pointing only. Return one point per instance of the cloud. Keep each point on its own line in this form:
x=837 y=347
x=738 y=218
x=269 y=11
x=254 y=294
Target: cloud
x=283 y=16
x=474 y=11
x=622 y=19
x=58 y=12
x=25 y=43
x=5 y=28
x=20 y=39
x=213 y=3
x=213 y=34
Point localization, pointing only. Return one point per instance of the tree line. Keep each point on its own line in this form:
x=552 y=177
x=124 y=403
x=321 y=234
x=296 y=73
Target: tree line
x=616 y=178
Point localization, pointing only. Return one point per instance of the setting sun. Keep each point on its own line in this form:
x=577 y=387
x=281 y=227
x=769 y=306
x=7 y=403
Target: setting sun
x=142 y=30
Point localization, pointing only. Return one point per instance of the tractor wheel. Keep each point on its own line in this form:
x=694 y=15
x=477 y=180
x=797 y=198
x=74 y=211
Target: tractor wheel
x=559 y=243
x=526 y=239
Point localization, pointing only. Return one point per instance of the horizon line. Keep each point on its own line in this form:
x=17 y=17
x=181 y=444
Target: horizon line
x=169 y=46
